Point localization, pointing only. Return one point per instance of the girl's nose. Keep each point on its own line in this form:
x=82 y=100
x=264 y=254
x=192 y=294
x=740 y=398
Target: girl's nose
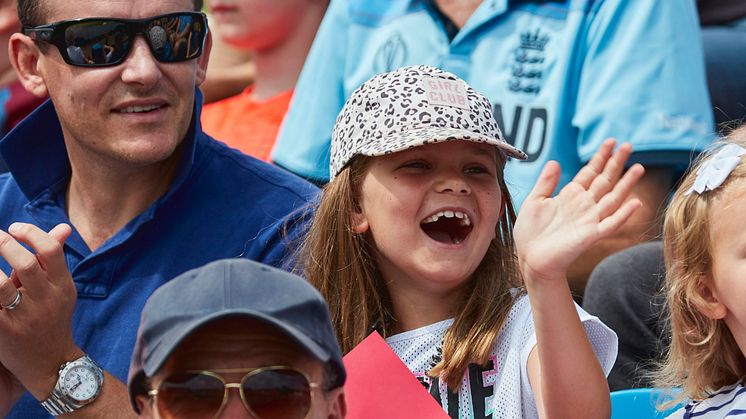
x=453 y=184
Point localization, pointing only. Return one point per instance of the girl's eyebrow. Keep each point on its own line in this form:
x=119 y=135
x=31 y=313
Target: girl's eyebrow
x=484 y=152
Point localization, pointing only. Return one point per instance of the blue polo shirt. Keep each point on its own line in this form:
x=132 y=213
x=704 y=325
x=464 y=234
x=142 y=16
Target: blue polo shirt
x=562 y=76
x=221 y=204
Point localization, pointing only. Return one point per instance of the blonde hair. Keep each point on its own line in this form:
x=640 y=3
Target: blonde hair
x=339 y=263
x=703 y=355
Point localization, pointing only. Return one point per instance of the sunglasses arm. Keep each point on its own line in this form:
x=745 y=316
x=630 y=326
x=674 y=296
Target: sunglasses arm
x=39 y=33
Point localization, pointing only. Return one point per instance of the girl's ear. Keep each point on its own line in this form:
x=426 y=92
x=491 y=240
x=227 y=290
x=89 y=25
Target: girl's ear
x=707 y=300
x=360 y=222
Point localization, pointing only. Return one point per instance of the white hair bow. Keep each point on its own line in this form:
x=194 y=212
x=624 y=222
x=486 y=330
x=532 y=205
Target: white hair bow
x=716 y=169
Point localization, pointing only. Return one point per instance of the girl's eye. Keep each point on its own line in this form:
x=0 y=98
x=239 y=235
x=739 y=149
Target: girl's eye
x=417 y=164
x=476 y=169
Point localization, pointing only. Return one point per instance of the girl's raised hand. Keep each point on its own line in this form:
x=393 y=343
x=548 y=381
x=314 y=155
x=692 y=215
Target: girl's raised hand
x=551 y=232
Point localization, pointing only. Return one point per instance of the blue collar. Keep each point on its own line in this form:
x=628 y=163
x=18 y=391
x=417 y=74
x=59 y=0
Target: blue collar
x=37 y=158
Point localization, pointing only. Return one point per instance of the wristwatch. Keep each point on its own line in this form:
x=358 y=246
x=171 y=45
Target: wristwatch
x=78 y=384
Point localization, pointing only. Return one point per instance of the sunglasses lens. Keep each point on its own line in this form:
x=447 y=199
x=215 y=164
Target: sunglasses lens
x=278 y=394
x=176 y=37
x=102 y=42
x=96 y=43
x=188 y=395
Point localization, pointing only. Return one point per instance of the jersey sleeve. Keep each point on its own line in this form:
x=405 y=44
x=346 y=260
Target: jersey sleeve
x=642 y=80
x=303 y=142
x=603 y=341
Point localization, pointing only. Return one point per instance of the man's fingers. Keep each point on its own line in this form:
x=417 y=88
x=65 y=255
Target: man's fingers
x=8 y=291
x=596 y=165
x=24 y=263
x=48 y=248
x=61 y=232
x=547 y=181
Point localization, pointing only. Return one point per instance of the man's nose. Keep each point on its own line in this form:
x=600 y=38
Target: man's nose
x=234 y=407
x=140 y=67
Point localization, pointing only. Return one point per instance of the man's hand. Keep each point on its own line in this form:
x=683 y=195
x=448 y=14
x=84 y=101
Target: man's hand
x=36 y=336
x=10 y=391
x=551 y=233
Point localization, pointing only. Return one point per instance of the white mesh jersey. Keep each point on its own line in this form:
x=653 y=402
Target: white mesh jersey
x=501 y=389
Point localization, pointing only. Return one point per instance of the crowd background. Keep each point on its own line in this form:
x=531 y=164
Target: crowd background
x=665 y=76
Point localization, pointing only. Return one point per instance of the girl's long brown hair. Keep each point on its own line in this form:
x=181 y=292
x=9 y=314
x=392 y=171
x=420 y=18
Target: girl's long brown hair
x=339 y=263
x=703 y=355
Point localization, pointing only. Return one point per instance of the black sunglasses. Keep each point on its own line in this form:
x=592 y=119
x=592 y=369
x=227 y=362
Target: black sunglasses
x=102 y=42
x=276 y=392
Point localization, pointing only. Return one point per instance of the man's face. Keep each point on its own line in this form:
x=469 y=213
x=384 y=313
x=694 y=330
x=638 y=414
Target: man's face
x=132 y=114
x=244 y=345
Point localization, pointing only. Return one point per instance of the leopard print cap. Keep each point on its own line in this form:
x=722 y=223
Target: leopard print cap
x=410 y=107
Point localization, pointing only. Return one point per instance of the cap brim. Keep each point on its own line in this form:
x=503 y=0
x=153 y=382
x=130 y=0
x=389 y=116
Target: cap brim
x=430 y=135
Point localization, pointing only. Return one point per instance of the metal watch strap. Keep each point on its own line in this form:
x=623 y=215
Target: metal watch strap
x=55 y=404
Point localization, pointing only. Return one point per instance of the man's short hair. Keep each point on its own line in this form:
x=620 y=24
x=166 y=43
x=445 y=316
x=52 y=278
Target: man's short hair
x=31 y=12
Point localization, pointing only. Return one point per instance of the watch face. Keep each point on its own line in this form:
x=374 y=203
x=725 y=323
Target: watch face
x=80 y=383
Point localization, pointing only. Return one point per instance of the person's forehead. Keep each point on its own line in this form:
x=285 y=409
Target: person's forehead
x=239 y=342
x=57 y=10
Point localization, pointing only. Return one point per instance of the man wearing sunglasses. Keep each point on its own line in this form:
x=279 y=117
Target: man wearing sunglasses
x=250 y=341
x=117 y=168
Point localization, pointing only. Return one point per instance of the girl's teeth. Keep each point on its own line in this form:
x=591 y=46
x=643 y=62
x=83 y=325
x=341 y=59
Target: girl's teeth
x=449 y=214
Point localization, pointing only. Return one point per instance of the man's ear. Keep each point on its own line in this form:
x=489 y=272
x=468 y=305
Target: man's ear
x=145 y=406
x=204 y=59
x=337 y=404
x=24 y=55
x=707 y=301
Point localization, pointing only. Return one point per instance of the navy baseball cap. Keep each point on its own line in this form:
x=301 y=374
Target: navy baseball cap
x=231 y=288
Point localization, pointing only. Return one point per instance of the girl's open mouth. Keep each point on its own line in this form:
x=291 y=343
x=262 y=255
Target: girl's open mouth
x=450 y=227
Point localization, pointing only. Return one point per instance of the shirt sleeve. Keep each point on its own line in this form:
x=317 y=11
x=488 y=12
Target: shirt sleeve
x=603 y=341
x=642 y=80
x=281 y=241
x=303 y=142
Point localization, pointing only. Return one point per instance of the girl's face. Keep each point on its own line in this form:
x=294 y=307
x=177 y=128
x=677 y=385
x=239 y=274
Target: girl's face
x=728 y=282
x=431 y=212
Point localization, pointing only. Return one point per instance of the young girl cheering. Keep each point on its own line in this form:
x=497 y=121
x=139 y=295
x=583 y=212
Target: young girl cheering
x=414 y=237
x=704 y=240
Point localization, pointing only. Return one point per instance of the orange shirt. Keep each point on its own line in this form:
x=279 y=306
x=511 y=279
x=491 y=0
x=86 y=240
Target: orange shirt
x=246 y=124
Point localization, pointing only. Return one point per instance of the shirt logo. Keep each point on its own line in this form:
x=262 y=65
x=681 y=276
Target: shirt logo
x=528 y=63
x=391 y=55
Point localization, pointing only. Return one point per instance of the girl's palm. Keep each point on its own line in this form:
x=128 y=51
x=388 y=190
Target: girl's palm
x=551 y=232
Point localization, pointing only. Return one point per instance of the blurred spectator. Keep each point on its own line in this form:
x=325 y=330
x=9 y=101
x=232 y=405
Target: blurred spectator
x=562 y=76
x=237 y=324
x=624 y=292
x=724 y=38
x=15 y=101
x=279 y=35
x=230 y=70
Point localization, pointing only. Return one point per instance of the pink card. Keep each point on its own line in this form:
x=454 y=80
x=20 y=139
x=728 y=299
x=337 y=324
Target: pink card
x=379 y=385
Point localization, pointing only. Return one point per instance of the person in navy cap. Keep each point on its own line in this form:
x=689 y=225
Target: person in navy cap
x=236 y=338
